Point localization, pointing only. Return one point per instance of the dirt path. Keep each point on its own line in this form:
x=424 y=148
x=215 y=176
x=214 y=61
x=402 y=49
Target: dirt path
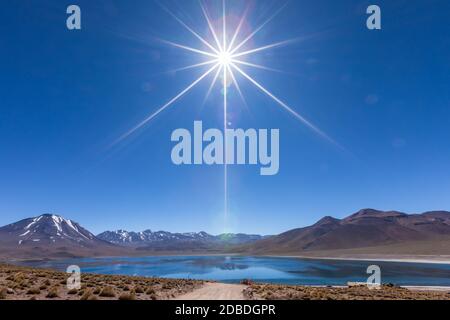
x=216 y=291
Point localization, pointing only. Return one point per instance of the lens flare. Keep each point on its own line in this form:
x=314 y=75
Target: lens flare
x=226 y=57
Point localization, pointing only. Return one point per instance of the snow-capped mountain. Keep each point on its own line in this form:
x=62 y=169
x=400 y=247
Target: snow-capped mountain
x=130 y=237
x=148 y=237
x=50 y=235
x=47 y=228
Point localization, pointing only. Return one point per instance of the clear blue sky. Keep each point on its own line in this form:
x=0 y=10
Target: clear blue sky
x=65 y=96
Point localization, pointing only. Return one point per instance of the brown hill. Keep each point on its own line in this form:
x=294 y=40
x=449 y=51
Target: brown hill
x=368 y=231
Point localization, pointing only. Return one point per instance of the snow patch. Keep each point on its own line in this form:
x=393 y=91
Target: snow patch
x=33 y=222
x=57 y=221
x=69 y=222
x=25 y=233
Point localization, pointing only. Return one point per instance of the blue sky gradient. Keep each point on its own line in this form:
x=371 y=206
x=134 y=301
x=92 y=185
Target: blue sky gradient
x=65 y=96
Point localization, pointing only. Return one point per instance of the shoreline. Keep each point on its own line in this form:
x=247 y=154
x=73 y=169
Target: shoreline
x=399 y=259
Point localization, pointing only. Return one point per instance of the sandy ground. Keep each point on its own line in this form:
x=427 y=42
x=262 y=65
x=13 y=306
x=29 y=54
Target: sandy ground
x=216 y=291
x=221 y=291
x=428 y=288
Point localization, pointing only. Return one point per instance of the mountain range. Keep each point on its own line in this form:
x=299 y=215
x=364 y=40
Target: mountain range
x=367 y=231
x=50 y=235
x=163 y=240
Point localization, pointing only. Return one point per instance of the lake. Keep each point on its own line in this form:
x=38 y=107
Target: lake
x=233 y=269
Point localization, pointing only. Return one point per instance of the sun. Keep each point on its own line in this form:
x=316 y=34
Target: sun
x=224 y=59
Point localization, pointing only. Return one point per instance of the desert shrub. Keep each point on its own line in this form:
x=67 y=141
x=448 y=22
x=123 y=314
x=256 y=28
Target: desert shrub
x=127 y=296
x=96 y=291
x=52 y=293
x=85 y=295
x=72 y=291
x=18 y=277
x=154 y=297
x=247 y=282
x=24 y=284
x=138 y=289
x=150 y=291
x=3 y=292
x=107 y=292
x=33 y=291
x=268 y=296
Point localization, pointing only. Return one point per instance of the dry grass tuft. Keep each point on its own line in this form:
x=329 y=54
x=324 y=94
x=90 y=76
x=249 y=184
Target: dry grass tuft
x=107 y=292
x=86 y=294
x=138 y=289
x=72 y=291
x=127 y=296
x=52 y=293
x=3 y=293
x=34 y=291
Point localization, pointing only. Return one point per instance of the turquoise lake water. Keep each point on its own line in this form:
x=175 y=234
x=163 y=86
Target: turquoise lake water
x=233 y=269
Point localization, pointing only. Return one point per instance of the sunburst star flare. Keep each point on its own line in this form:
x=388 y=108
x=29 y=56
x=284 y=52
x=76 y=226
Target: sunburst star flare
x=226 y=58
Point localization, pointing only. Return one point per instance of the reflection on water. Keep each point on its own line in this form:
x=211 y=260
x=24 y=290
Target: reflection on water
x=263 y=269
